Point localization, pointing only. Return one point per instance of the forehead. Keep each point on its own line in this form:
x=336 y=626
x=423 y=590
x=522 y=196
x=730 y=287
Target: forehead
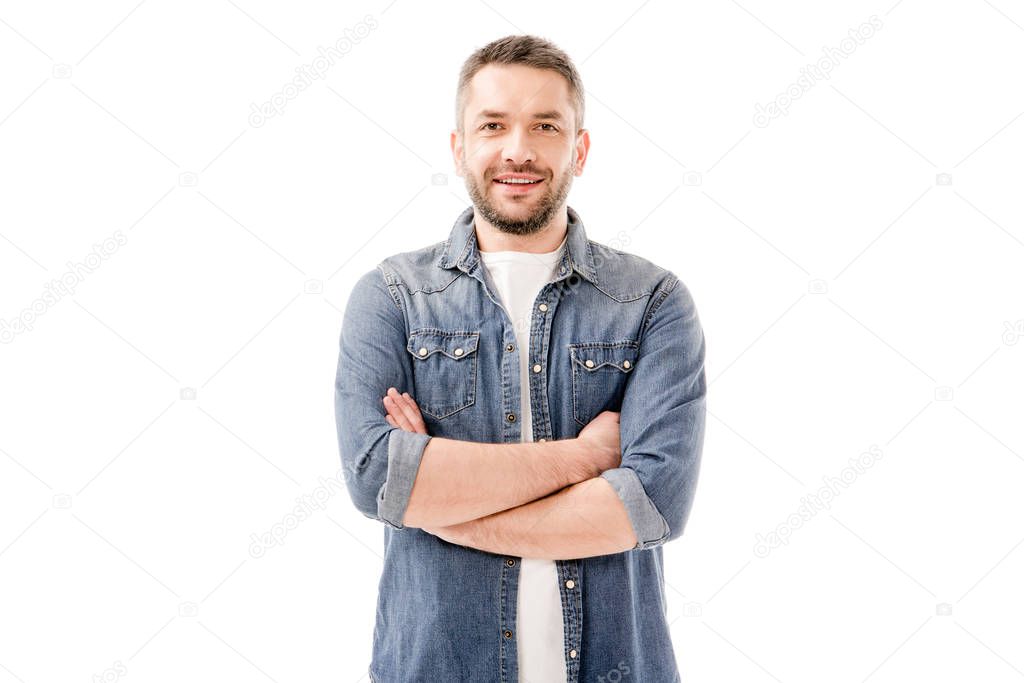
x=517 y=89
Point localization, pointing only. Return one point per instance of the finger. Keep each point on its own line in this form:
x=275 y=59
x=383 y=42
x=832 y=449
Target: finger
x=396 y=414
x=409 y=413
x=417 y=417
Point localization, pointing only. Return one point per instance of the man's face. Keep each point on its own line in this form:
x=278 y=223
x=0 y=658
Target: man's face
x=519 y=120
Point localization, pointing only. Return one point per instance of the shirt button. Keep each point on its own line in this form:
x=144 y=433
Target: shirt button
x=458 y=352
x=570 y=584
x=510 y=347
x=508 y=634
x=536 y=368
x=423 y=351
x=625 y=364
x=510 y=562
x=543 y=307
x=572 y=653
x=511 y=417
x=589 y=363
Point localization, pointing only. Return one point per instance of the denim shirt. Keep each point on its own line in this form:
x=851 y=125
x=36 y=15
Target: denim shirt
x=611 y=331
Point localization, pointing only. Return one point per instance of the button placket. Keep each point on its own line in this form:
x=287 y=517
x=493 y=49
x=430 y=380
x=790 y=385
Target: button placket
x=572 y=611
x=540 y=329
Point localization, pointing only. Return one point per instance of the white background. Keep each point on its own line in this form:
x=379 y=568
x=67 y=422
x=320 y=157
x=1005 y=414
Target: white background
x=850 y=299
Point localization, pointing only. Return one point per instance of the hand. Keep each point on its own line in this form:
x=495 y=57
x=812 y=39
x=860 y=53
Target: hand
x=402 y=412
x=601 y=435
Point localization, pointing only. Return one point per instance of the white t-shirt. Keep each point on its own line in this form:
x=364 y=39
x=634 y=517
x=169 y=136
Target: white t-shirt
x=519 y=276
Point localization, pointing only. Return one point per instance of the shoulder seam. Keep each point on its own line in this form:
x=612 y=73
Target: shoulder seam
x=661 y=293
x=395 y=296
x=391 y=287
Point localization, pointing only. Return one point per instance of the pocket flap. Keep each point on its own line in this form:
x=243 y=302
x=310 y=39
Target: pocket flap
x=592 y=356
x=424 y=343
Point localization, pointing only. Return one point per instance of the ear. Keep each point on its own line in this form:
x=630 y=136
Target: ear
x=456 y=144
x=582 y=150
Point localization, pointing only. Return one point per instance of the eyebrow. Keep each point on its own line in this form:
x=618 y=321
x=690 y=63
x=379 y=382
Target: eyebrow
x=547 y=115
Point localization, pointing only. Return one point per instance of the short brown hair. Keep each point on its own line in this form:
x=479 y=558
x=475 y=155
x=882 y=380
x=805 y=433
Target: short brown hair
x=528 y=51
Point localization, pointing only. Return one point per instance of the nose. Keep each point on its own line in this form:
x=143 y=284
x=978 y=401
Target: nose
x=518 y=150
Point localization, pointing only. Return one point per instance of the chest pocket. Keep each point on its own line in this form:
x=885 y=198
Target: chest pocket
x=444 y=369
x=599 y=373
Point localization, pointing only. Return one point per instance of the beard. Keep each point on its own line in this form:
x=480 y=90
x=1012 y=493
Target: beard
x=549 y=201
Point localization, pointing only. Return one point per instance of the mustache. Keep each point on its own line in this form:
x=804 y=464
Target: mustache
x=525 y=171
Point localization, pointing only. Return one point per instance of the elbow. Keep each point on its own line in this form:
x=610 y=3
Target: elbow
x=675 y=511
x=364 y=457
x=363 y=481
x=677 y=521
x=657 y=512
x=379 y=473
x=674 y=508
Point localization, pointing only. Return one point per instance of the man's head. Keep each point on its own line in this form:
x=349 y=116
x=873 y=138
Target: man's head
x=519 y=112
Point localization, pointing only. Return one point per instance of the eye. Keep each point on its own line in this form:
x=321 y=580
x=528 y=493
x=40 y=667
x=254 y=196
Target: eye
x=552 y=127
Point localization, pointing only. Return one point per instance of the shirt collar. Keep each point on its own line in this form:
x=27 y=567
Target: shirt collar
x=461 y=250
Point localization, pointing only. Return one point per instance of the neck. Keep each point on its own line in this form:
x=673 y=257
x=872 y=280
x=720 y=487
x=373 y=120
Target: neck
x=545 y=240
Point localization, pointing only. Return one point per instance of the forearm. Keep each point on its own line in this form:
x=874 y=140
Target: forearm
x=459 y=481
x=582 y=520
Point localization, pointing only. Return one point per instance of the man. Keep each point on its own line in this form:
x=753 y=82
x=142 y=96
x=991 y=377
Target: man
x=523 y=409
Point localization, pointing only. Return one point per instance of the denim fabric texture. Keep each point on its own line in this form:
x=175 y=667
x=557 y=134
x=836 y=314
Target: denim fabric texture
x=612 y=331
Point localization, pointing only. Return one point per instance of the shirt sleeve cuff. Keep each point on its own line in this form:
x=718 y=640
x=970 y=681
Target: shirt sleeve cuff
x=405 y=450
x=648 y=524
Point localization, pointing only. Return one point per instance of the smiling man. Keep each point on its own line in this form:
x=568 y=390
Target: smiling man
x=519 y=194
x=523 y=409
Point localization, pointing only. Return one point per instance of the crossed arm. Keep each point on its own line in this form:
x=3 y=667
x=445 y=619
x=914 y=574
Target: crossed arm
x=526 y=499
x=581 y=520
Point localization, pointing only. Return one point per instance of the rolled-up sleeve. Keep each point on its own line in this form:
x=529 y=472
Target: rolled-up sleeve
x=380 y=462
x=661 y=423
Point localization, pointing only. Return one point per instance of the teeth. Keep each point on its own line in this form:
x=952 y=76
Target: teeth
x=518 y=181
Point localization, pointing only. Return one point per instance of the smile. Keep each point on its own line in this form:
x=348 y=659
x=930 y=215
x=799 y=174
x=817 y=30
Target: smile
x=517 y=186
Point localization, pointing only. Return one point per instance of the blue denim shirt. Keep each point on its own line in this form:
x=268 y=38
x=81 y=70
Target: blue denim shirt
x=612 y=331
